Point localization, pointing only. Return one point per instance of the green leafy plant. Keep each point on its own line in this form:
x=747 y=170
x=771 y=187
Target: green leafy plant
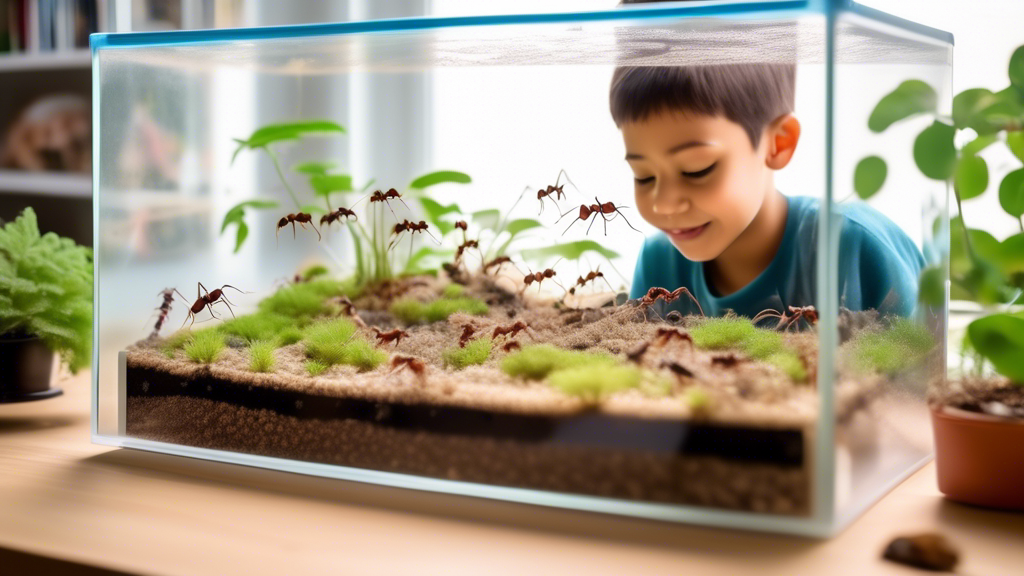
x=46 y=289
x=981 y=268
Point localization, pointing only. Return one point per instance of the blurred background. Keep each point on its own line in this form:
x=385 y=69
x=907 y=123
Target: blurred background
x=45 y=80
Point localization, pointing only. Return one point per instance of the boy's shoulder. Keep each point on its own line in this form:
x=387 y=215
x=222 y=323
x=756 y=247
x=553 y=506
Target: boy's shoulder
x=861 y=222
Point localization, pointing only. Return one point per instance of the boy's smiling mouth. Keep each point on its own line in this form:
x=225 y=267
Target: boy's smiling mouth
x=686 y=233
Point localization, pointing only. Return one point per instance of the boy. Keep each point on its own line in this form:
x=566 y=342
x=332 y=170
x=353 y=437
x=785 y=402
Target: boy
x=703 y=143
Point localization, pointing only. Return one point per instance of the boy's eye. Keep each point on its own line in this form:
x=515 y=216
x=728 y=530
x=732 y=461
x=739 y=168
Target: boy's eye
x=647 y=180
x=700 y=173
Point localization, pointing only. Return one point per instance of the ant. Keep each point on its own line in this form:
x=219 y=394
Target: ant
x=349 y=309
x=808 y=313
x=497 y=262
x=208 y=300
x=538 y=277
x=657 y=293
x=556 y=190
x=461 y=225
x=415 y=365
x=165 y=309
x=385 y=197
x=462 y=248
x=395 y=336
x=302 y=218
x=512 y=330
x=665 y=335
x=726 y=360
x=511 y=345
x=467 y=332
x=593 y=275
x=600 y=209
x=337 y=215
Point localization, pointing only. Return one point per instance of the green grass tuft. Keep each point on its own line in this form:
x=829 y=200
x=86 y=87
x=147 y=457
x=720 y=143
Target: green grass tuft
x=453 y=291
x=315 y=367
x=476 y=352
x=733 y=332
x=261 y=326
x=288 y=336
x=903 y=345
x=595 y=382
x=412 y=311
x=331 y=342
x=537 y=361
x=314 y=271
x=303 y=301
x=205 y=346
x=261 y=356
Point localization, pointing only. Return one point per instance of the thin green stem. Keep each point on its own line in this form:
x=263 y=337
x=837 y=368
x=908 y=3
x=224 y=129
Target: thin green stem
x=1020 y=220
x=963 y=224
x=280 y=174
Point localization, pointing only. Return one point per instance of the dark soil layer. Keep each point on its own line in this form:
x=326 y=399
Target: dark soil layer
x=402 y=441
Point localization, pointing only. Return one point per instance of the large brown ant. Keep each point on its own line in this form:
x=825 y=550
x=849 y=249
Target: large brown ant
x=665 y=335
x=538 y=277
x=395 y=336
x=512 y=330
x=467 y=332
x=497 y=262
x=332 y=217
x=165 y=310
x=302 y=218
x=598 y=209
x=657 y=293
x=385 y=197
x=207 y=300
x=556 y=190
x=511 y=345
x=786 y=321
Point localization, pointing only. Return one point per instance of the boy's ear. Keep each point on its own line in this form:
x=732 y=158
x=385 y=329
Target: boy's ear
x=783 y=136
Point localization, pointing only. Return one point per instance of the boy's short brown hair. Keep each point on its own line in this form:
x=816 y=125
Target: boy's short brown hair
x=751 y=95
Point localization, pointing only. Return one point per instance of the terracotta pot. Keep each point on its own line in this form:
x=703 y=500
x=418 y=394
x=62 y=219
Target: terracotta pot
x=979 y=458
x=25 y=369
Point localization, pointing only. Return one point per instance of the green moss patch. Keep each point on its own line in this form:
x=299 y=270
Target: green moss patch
x=315 y=367
x=453 y=291
x=537 y=361
x=261 y=356
x=903 y=345
x=733 y=332
x=204 y=347
x=333 y=342
x=475 y=352
x=262 y=326
x=305 y=300
x=595 y=382
x=412 y=311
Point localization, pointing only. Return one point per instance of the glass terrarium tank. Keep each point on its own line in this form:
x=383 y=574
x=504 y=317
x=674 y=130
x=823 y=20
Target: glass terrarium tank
x=613 y=261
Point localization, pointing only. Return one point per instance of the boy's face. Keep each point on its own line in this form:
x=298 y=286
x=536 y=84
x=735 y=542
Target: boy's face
x=697 y=178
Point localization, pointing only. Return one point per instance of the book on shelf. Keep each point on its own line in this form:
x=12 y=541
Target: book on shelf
x=31 y=26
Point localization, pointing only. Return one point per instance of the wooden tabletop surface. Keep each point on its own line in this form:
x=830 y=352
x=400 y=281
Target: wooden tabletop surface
x=64 y=498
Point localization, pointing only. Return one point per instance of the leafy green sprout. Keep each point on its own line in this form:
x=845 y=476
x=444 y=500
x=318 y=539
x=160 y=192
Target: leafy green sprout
x=981 y=268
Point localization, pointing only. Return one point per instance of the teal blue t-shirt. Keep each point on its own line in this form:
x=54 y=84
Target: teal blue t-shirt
x=878 y=267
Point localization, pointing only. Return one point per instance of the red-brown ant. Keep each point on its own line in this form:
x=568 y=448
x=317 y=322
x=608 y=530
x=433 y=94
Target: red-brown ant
x=395 y=336
x=665 y=335
x=512 y=330
x=808 y=313
x=598 y=209
x=497 y=262
x=415 y=365
x=590 y=277
x=208 y=300
x=511 y=345
x=726 y=360
x=302 y=218
x=467 y=332
x=165 y=310
x=332 y=217
x=538 y=277
x=657 y=293
x=461 y=225
x=385 y=197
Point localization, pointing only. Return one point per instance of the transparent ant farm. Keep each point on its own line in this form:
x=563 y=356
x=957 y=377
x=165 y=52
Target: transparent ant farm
x=485 y=256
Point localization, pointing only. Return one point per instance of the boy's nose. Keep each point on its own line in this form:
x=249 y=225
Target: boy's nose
x=670 y=202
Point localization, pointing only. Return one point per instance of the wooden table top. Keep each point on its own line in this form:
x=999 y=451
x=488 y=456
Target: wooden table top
x=62 y=497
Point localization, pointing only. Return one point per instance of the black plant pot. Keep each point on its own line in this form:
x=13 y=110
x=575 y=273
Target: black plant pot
x=25 y=369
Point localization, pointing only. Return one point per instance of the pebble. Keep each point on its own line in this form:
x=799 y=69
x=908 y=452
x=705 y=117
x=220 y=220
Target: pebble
x=997 y=409
x=674 y=318
x=930 y=551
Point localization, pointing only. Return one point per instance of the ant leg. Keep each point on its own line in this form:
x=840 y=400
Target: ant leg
x=293 y=229
x=233 y=288
x=318 y=236
x=566 y=213
x=561 y=173
x=570 y=224
x=226 y=304
x=624 y=217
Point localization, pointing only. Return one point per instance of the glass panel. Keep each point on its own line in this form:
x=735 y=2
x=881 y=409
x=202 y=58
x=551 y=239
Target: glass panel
x=889 y=86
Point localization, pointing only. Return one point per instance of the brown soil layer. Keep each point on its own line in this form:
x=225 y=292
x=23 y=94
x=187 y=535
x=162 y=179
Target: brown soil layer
x=609 y=471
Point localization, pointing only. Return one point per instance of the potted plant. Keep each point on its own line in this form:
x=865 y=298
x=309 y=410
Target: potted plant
x=978 y=411
x=45 y=308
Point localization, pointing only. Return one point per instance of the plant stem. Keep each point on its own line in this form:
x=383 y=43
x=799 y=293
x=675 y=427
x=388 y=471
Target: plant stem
x=280 y=175
x=1020 y=220
x=963 y=224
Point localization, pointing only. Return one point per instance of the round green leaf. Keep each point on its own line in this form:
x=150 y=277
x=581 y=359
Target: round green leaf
x=968 y=104
x=999 y=338
x=1017 y=69
x=439 y=177
x=1015 y=142
x=934 y=153
x=971 y=178
x=1011 y=193
x=909 y=98
x=869 y=176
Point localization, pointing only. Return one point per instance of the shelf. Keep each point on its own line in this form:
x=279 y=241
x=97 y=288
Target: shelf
x=36 y=61
x=54 y=184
